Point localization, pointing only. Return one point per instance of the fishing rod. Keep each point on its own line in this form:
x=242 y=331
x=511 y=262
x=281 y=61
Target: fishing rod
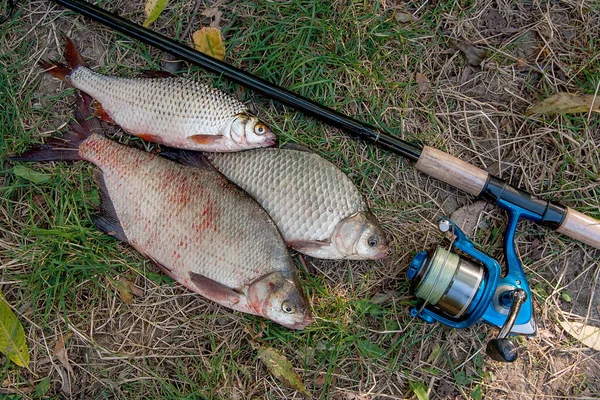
x=429 y=160
x=457 y=285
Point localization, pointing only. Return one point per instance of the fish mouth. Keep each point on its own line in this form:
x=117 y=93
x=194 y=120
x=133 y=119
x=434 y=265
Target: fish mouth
x=269 y=141
x=384 y=253
x=301 y=324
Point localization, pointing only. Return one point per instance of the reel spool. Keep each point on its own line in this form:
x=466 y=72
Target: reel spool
x=460 y=291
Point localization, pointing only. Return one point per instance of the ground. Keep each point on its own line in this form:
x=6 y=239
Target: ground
x=373 y=62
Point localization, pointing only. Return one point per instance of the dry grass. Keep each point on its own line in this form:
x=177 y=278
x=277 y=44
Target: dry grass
x=59 y=273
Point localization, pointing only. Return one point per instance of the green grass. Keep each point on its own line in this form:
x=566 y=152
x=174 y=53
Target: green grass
x=353 y=57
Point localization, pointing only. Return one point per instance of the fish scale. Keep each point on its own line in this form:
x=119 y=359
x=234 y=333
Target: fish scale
x=304 y=194
x=170 y=110
x=198 y=227
x=162 y=205
x=170 y=105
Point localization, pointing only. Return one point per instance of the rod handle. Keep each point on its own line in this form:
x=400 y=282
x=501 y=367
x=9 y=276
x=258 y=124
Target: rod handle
x=452 y=170
x=581 y=227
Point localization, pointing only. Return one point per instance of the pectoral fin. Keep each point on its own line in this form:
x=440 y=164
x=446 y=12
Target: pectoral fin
x=207 y=139
x=215 y=291
x=308 y=245
x=107 y=220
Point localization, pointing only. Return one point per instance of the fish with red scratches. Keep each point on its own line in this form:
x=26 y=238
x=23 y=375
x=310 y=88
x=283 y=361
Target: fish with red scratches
x=199 y=228
x=174 y=111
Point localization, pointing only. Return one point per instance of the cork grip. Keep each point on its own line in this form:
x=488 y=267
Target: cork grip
x=452 y=170
x=581 y=227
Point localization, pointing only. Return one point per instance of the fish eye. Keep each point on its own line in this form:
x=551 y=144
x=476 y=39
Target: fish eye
x=372 y=241
x=288 y=308
x=260 y=129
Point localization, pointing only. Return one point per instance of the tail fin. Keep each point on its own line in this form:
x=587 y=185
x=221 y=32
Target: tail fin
x=73 y=58
x=66 y=147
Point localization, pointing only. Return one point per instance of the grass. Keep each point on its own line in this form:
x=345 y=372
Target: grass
x=59 y=273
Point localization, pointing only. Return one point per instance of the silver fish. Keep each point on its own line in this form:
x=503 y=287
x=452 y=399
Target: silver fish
x=198 y=227
x=317 y=208
x=174 y=111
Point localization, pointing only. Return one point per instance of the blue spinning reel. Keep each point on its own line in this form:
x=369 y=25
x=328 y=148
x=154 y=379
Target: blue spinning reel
x=462 y=290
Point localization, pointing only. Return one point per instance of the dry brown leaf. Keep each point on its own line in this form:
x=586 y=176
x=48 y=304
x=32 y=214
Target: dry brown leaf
x=60 y=352
x=566 y=103
x=586 y=334
x=282 y=369
x=127 y=290
x=474 y=55
x=209 y=41
x=403 y=17
x=421 y=79
x=467 y=217
x=214 y=15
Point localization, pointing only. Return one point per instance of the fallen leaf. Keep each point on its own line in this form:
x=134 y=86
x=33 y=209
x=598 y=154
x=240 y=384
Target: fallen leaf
x=421 y=79
x=586 y=334
x=12 y=335
x=153 y=9
x=30 y=174
x=474 y=55
x=209 y=41
x=467 y=217
x=282 y=369
x=127 y=290
x=566 y=103
x=60 y=352
x=403 y=17
x=214 y=15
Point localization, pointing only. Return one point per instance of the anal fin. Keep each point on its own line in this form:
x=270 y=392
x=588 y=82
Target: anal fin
x=107 y=220
x=99 y=112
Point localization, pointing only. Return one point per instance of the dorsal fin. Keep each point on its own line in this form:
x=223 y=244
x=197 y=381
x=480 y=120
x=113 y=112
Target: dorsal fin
x=157 y=74
x=187 y=157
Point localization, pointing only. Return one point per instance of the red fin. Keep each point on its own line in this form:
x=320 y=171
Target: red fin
x=100 y=113
x=149 y=138
x=72 y=55
x=214 y=290
x=206 y=139
x=304 y=245
x=57 y=70
x=66 y=147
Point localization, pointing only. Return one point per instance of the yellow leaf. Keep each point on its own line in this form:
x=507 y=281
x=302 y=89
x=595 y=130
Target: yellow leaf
x=586 y=334
x=12 y=335
x=281 y=368
x=210 y=42
x=566 y=103
x=153 y=9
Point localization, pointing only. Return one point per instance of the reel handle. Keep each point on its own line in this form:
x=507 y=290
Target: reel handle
x=503 y=349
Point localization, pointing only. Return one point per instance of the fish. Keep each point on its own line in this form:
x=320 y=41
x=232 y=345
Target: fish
x=317 y=208
x=169 y=110
x=195 y=225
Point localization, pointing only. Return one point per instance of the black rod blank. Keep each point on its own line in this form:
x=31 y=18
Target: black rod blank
x=334 y=118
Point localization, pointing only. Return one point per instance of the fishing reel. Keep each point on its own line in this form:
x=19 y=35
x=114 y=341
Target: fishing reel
x=466 y=288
